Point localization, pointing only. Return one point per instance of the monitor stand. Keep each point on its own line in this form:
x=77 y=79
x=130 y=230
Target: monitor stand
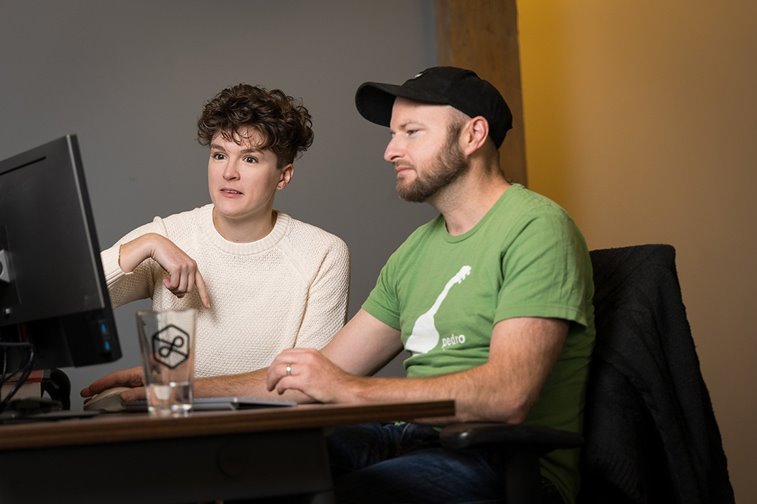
x=35 y=407
x=16 y=417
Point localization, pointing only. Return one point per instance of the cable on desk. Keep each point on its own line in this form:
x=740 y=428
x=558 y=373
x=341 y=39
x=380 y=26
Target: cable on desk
x=24 y=371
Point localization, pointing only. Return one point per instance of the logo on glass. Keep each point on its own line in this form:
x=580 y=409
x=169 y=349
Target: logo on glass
x=170 y=346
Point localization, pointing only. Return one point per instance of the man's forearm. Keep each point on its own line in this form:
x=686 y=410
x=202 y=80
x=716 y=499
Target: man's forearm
x=252 y=384
x=478 y=395
x=522 y=353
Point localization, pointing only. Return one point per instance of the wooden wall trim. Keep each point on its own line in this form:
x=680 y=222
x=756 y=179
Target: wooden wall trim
x=483 y=35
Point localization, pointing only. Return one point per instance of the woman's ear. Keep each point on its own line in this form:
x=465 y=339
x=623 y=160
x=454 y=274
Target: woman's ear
x=285 y=176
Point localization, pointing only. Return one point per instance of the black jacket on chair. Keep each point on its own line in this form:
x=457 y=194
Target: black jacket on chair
x=650 y=431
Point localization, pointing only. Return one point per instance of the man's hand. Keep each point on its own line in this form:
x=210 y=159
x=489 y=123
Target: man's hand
x=183 y=274
x=308 y=371
x=336 y=374
x=132 y=377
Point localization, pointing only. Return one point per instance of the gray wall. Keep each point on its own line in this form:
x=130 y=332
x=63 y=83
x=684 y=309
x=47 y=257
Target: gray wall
x=130 y=78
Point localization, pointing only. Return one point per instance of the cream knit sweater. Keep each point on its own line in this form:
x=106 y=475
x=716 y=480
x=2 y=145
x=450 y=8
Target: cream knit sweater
x=288 y=289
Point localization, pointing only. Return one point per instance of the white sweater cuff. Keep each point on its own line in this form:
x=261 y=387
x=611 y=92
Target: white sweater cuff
x=111 y=269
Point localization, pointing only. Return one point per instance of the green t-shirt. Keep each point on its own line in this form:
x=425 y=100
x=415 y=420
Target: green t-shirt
x=525 y=258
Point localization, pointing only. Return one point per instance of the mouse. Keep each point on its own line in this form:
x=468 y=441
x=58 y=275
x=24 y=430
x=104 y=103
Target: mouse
x=107 y=400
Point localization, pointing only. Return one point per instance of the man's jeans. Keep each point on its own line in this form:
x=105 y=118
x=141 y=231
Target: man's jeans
x=404 y=463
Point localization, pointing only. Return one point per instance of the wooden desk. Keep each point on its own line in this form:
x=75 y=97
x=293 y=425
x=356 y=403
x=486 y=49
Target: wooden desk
x=131 y=458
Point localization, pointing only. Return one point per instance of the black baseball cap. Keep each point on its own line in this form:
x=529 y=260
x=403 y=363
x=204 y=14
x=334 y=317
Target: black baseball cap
x=457 y=87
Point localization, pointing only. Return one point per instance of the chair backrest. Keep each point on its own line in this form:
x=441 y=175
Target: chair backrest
x=650 y=432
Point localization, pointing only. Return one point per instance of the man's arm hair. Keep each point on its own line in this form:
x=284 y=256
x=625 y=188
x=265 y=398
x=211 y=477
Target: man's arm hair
x=523 y=352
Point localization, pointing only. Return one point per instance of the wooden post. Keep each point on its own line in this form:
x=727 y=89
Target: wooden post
x=482 y=35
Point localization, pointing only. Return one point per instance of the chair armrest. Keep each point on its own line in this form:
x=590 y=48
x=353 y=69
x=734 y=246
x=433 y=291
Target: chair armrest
x=521 y=445
x=531 y=437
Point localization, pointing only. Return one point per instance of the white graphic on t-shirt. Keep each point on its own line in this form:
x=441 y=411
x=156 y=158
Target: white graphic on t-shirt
x=425 y=336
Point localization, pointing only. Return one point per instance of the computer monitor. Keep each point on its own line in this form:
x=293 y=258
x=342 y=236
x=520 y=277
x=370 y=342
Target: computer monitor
x=53 y=296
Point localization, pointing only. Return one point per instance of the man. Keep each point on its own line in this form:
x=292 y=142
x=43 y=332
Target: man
x=492 y=298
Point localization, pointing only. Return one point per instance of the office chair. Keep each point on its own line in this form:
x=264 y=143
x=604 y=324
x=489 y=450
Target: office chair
x=650 y=435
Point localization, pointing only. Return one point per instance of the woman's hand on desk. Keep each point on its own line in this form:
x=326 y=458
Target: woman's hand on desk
x=132 y=378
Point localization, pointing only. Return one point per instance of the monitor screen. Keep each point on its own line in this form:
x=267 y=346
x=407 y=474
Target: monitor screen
x=52 y=289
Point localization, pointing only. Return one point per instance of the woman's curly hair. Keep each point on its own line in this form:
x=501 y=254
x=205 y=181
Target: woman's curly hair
x=283 y=122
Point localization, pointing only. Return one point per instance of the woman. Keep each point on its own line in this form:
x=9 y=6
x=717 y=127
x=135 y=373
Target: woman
x=262 y=281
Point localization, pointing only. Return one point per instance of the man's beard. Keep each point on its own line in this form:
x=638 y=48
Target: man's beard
x=443 y=171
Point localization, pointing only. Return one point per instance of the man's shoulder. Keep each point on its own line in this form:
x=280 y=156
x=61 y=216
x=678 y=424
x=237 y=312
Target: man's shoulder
x=523 y=209
x=532 y=202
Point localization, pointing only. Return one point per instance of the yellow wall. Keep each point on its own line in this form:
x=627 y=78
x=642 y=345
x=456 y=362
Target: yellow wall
x=641 y=120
